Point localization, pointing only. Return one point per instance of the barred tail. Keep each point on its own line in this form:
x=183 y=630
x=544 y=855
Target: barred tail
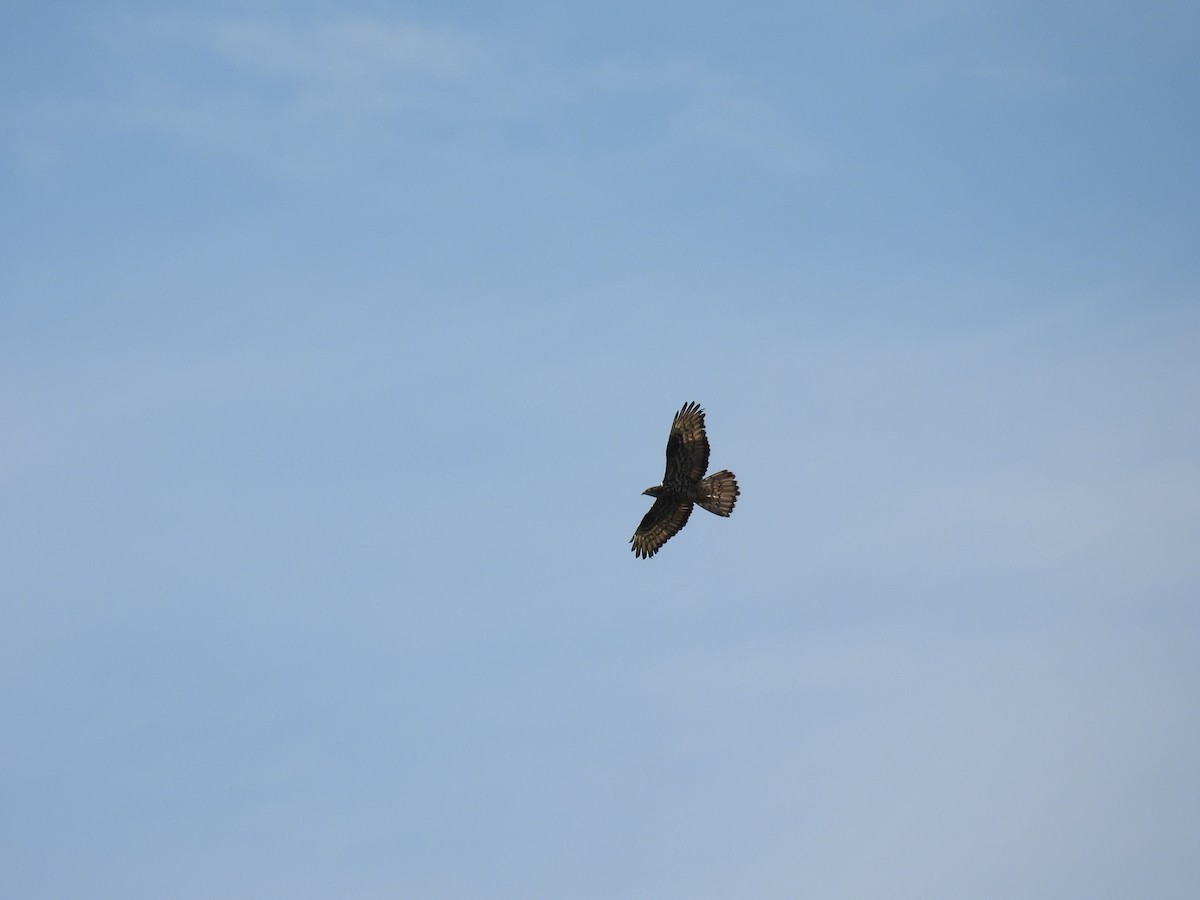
x=720 y=492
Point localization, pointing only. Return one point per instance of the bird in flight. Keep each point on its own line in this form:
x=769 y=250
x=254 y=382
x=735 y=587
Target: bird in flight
x=684 y=484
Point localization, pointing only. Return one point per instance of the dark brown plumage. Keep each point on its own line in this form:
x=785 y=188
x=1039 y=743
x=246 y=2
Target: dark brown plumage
x=683 y=484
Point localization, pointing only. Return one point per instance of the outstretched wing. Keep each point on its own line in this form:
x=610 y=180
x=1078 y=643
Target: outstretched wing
x=687 y=447
x=666 y=517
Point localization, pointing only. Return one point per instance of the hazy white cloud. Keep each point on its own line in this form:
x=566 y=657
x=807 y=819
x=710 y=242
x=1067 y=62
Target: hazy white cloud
x=714 y=109
x=303 y=96
x=348 y=51
x=314 y=95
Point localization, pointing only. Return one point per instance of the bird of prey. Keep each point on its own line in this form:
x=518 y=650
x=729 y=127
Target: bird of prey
x=684 y=484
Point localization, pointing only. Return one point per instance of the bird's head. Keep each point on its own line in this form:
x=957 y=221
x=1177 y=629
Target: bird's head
x=655 y=491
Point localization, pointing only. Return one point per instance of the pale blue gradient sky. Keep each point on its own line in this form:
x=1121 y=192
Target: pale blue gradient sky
x=338 y=341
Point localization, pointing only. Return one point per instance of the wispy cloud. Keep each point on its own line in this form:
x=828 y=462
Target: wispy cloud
x=317 y=95
x=350 y=51
x=303 y=94
x=299 y=96
x=714 y=109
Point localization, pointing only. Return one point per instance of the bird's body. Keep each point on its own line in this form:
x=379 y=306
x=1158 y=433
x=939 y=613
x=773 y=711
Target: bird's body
x=684 y=484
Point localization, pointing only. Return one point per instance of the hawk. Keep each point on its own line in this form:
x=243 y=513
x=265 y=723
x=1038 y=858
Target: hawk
x=684 y=484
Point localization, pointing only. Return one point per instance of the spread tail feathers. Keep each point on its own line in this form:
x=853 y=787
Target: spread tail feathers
x=719 y=492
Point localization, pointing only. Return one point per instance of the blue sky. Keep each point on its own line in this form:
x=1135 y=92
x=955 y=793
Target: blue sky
x=338 y=341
